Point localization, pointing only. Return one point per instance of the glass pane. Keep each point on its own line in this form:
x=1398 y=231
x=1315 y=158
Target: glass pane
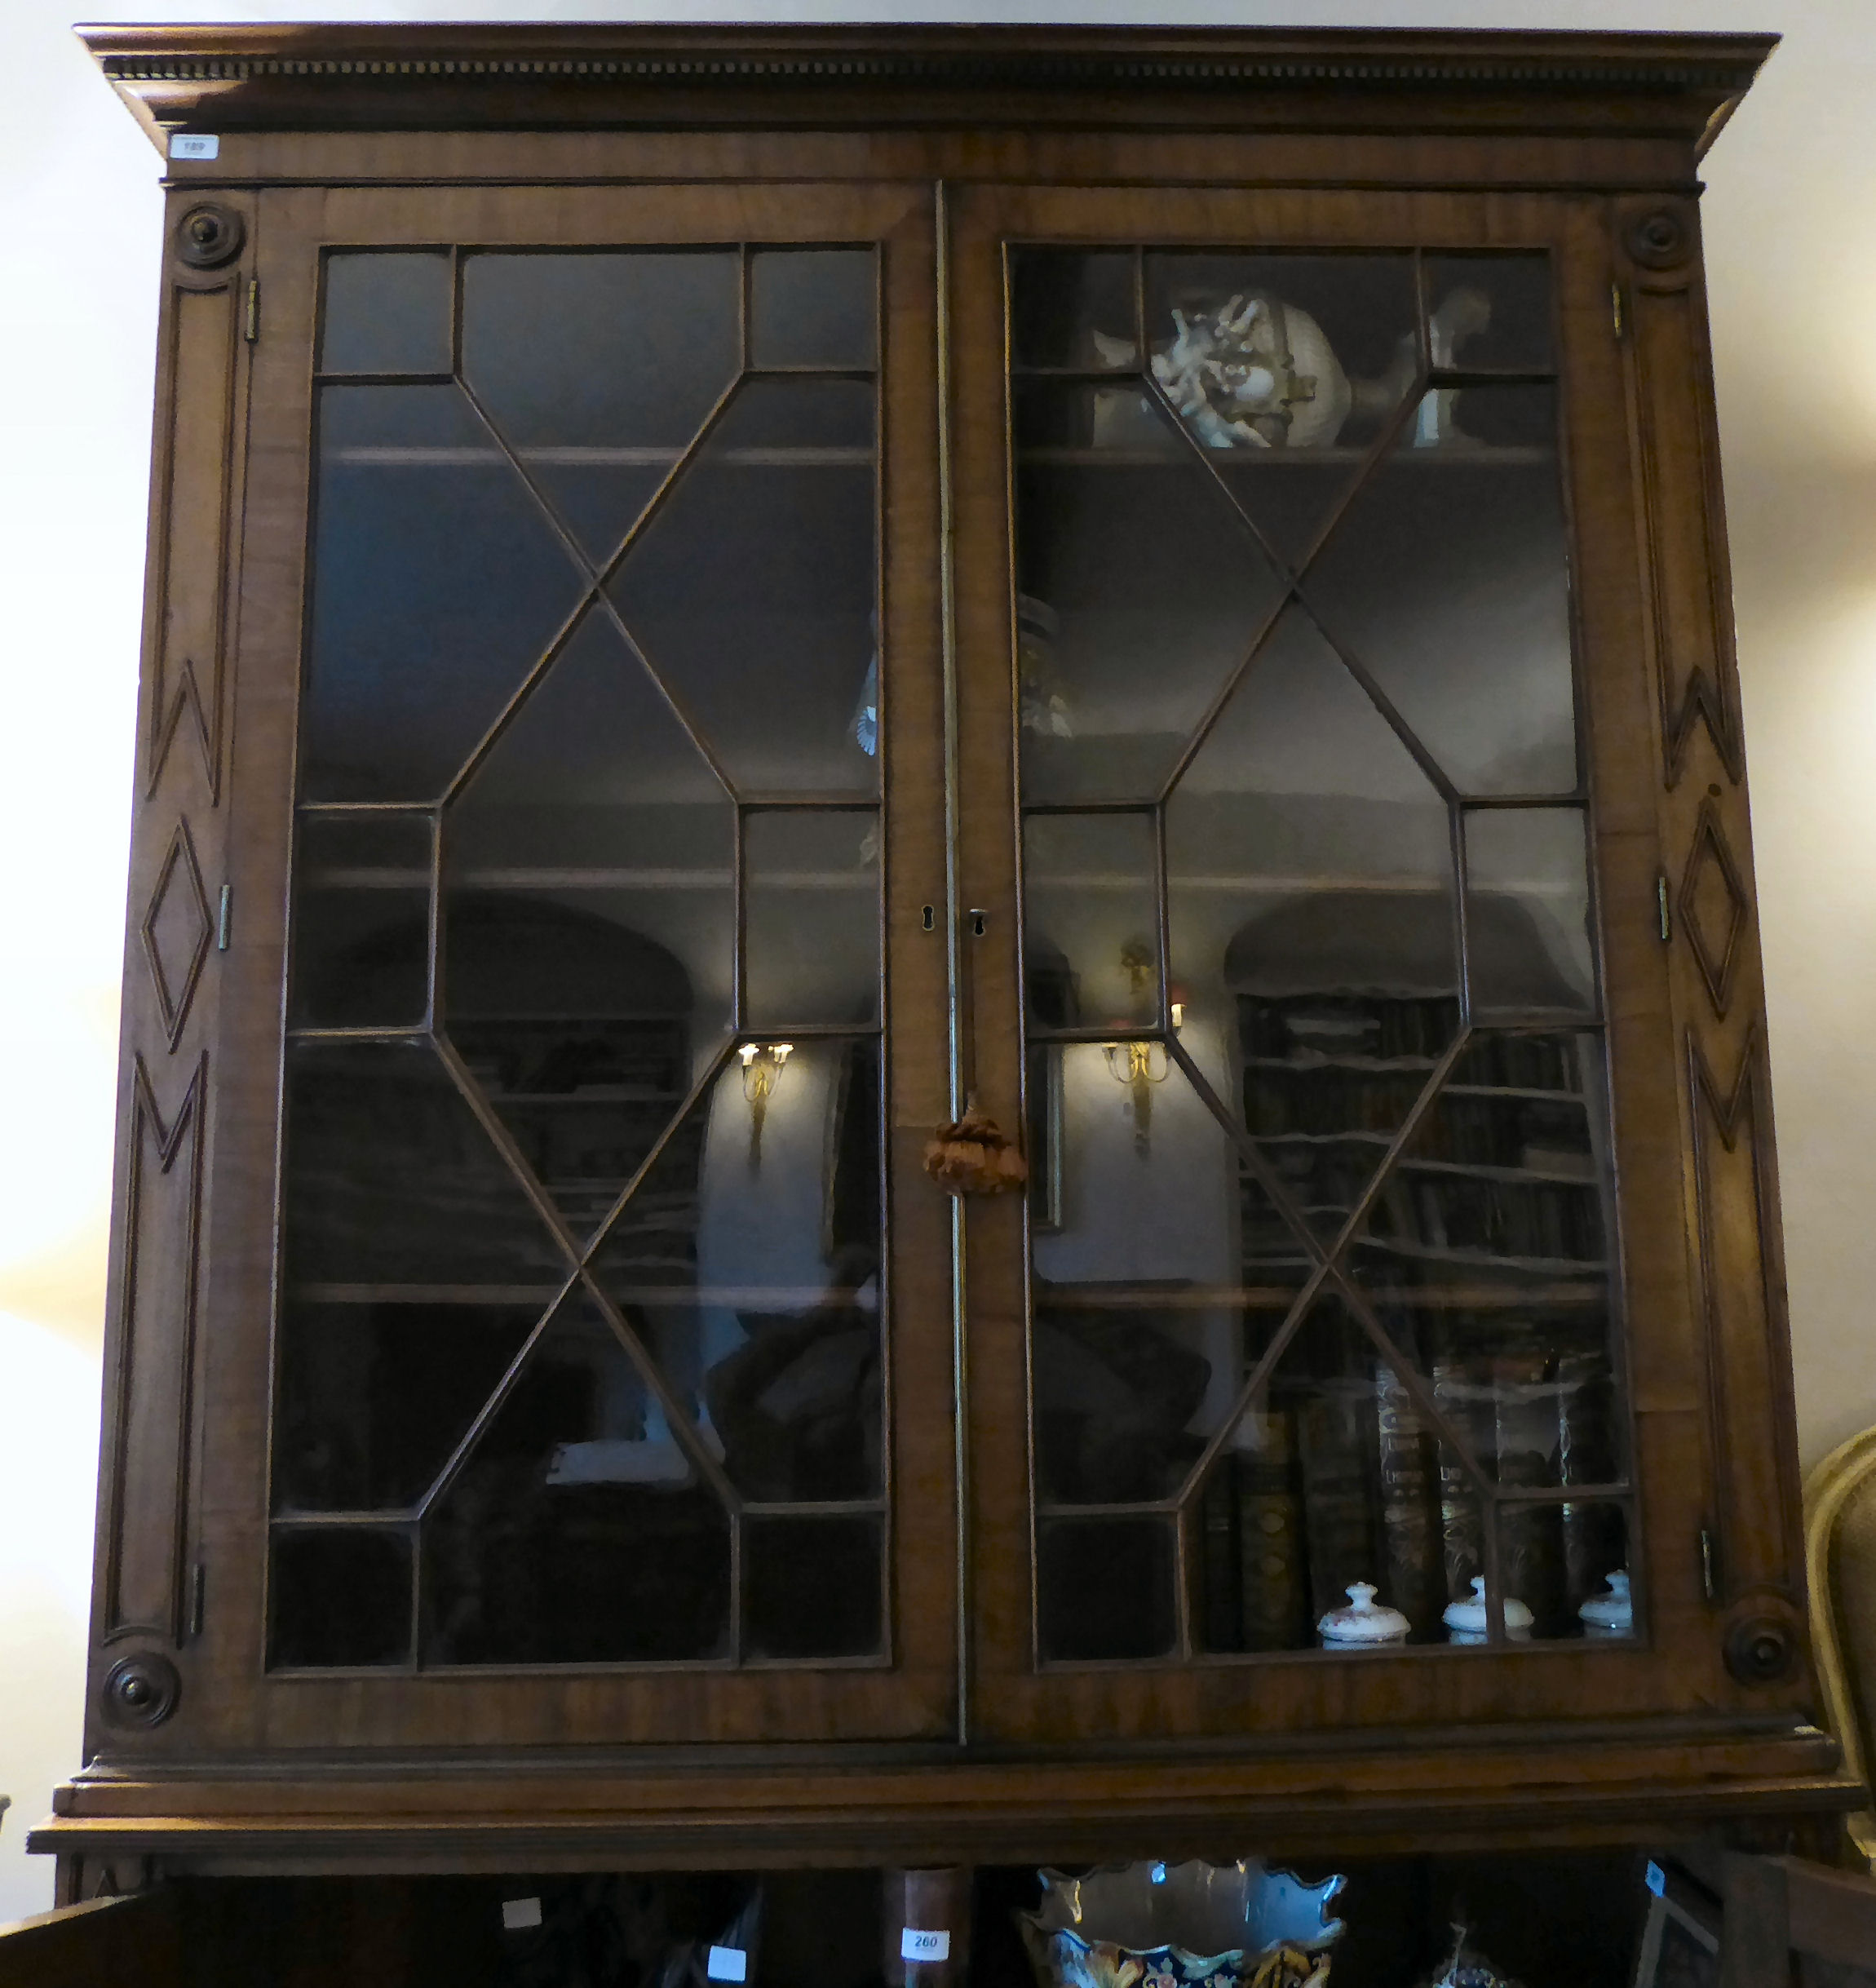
x=813 y=1588
x=437 y=582
x=386 y=312
x=374 y=1397
x=1104 y=1588
x=598 y=367
x=1310 y=904
x=1090 y=944
x=578 y=1531
x=1487 y=1258
x=1312 y=763
x=391 y=1180
x=1528 y=882
x=811 y=306
x=1448 y=578
x=1166 y=1259
x=589 y=918
x=361 y=922
x=747 y=1260
x=1488 y=310
x=1072 y=308
x=810 y=944
x=338 y=1596
x=1141 y=591
x=751 y=592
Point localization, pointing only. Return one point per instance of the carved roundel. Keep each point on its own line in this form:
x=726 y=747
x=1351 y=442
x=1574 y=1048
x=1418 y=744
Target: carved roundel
x=1661 y=239
x=209 y=236
x=140 y=1690
x=1761 y=1650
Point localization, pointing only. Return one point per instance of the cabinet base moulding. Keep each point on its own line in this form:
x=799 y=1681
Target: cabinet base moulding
x=512 y=1816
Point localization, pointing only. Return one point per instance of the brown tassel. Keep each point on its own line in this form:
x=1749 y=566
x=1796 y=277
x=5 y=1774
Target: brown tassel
x=972 y=1157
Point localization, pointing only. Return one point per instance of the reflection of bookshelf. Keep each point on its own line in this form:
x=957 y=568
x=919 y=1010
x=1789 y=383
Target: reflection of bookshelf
x=1484 y=1255
x=585 y=1097
x=574 y=1030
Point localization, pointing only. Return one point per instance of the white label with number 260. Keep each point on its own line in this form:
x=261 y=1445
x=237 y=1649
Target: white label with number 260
x=916 y=1945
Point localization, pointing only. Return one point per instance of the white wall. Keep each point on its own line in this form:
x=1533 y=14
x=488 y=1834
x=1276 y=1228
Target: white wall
x=1791 y=240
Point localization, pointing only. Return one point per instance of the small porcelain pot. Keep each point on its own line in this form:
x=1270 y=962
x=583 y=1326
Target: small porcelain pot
x=1362 y=1625
x=1465 y=1620
x=1613 y=1615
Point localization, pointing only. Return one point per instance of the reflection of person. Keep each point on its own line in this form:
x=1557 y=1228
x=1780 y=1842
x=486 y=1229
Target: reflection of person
x=797 y=1406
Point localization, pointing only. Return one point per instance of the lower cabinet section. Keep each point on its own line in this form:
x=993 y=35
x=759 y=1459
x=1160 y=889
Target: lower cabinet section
x=1566 y=1919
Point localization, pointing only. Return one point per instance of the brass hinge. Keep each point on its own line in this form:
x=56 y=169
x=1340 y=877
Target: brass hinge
x=1616 y=307
x=198 y=1596
x=1709 y=1571
x=1664 y=915
x=224 y=923
x=252 y=330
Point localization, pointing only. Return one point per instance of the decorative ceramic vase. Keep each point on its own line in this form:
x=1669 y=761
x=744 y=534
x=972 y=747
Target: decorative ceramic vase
x=1465 y=1620
x=1612 y=1615
x=1251 y=371
x=1194 y=1925
x=1362 y=1625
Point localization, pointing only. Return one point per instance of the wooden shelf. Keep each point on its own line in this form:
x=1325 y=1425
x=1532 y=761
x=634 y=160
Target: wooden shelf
x=1280 y=1297
x=1086 y=456
x=735 y=1297
x=1330 y=1060
x=403 y=455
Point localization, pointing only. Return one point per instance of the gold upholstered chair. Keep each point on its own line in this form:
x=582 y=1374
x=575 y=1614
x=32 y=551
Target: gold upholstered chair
x=1840 y=1558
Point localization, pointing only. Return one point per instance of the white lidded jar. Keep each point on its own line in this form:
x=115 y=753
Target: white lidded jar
x=1465 y=1620
x=1612 y=1615
x=1362 y=1625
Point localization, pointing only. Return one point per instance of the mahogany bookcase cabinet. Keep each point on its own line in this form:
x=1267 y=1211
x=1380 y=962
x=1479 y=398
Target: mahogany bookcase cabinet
x=718 y=594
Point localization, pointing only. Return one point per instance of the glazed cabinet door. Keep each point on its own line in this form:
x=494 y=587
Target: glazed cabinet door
x=1342 y=1367
x=566 y=1299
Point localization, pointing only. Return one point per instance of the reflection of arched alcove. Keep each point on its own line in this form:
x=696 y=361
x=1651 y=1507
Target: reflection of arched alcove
x=1393 y=943
x=576 y=1028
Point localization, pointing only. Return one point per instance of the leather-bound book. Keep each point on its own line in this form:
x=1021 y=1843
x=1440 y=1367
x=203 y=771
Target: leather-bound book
x=1335 y=1447
x=1221 y=1616
x=1412 y=1575
x=1273 y=1579
x=1530 y=1536
x=1461 y=1391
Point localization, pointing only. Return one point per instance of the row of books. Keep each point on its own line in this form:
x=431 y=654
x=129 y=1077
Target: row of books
x=1343 y=1479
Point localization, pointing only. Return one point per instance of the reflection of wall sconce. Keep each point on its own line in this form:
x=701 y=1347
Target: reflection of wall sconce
x=1139 y=964
x=1139 y=1066
x=762 y=1063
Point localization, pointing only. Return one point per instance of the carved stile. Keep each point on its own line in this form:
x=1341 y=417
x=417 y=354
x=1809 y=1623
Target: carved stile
x=154 y=1344
x=1718 y=989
